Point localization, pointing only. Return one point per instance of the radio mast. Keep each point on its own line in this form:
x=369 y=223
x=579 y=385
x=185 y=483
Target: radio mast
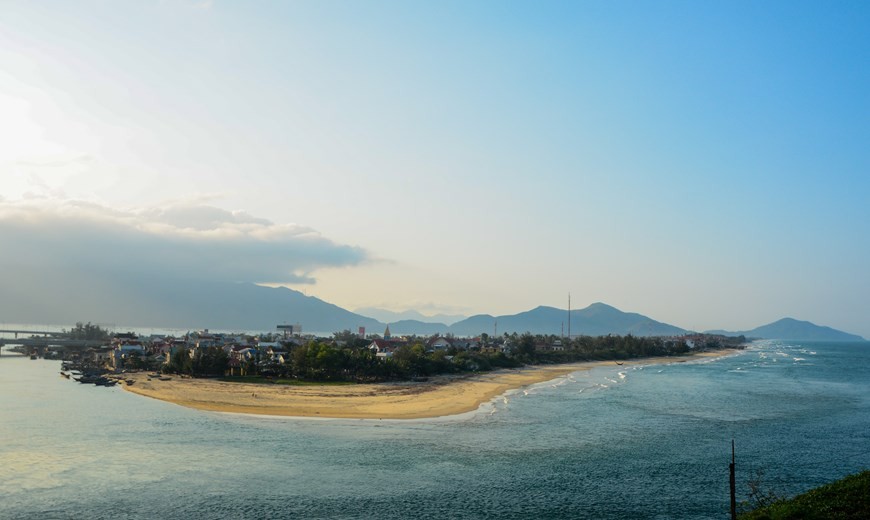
x=569 y=316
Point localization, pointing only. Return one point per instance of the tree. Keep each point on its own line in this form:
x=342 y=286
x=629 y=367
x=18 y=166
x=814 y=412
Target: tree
x=211 y=361
x=525 y=349
x=88 y=331
x=134 y=361
x=411 y=359
x=180 y=362
x=323 y=359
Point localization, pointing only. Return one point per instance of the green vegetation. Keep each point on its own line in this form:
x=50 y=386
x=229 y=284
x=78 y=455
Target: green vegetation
x=206 y=362
x=348 y=358
x=87 y=331
x=846 y=499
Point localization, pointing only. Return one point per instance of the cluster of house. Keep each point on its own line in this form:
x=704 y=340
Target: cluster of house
x=158 y=349
x=386 y=346
x=241 y=349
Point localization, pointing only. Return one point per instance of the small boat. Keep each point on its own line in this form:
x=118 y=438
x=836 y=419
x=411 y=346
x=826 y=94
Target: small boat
x=64 y=374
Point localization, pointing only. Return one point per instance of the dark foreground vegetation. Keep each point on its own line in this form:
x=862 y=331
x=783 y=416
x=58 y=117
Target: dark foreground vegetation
x=846 y=499
x=87 y=331
x=352 y=360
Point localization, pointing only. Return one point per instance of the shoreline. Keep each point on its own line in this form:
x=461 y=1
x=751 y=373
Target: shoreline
x=441 y=396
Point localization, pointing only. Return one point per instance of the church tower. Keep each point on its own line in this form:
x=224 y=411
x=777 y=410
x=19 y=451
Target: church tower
x=387 y=333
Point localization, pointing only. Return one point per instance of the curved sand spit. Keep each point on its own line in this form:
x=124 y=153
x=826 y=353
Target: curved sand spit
x=440 y=396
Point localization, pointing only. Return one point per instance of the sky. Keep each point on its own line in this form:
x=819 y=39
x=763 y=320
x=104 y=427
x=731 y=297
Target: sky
x=703 y=163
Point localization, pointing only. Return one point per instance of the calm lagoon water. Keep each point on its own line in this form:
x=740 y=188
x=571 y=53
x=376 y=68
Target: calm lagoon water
x=614 y=442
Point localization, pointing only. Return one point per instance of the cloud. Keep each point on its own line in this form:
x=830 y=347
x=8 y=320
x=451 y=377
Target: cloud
x=61 y=239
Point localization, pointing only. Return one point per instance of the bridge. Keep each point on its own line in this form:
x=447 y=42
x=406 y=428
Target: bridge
x=38 y=345
x=30 y=332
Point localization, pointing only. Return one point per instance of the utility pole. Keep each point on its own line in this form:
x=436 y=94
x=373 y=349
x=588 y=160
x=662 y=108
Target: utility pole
x=733 y=484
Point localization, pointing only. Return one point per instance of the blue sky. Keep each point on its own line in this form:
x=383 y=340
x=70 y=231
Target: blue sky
x=704 y=163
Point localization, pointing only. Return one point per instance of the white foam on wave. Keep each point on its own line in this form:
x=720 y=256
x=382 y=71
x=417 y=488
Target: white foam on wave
x=622 y=375
x=799 y=359
x=560 y=382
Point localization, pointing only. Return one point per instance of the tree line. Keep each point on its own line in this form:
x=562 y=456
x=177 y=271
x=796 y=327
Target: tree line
x=351 y=360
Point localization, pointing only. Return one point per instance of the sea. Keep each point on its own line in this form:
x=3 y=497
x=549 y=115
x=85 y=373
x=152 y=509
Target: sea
x=615 y=442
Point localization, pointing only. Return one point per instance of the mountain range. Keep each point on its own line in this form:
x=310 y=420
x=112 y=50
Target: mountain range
x=242 y=306
x=595 y=320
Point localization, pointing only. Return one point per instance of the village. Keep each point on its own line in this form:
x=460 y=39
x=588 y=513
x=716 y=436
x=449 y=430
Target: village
x=244 y=352
x=288 y=355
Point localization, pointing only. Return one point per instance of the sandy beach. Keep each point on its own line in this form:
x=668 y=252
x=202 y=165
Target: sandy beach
x=438 y=397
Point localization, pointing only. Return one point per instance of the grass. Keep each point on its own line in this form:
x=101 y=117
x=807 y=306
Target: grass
x=846 y=499
x=260 y=380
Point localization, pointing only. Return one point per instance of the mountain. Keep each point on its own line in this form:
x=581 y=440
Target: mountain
x=161 y=302
x=254 y=307
x=387 y=316
x=595 y=320
x=421 y=328
x=188 y=304
x=796 y=330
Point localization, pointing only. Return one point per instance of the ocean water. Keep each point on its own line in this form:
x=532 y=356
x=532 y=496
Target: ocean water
x=613 y=442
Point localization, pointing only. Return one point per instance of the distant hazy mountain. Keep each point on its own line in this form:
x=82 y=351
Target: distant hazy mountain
x=393 y=317
x=189 y=304
x=796 y=330
x=253 y=307
x=417 y=327
x=595 y=320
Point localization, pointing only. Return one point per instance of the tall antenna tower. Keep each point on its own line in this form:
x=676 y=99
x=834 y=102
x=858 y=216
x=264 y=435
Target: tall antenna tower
x=569 y=316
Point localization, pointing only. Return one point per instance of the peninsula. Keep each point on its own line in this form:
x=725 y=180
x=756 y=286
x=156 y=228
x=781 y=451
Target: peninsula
x=350 y=375
x=439 y=396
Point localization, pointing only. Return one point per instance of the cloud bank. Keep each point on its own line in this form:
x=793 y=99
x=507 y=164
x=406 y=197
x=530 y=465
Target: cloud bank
x=177 y=241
